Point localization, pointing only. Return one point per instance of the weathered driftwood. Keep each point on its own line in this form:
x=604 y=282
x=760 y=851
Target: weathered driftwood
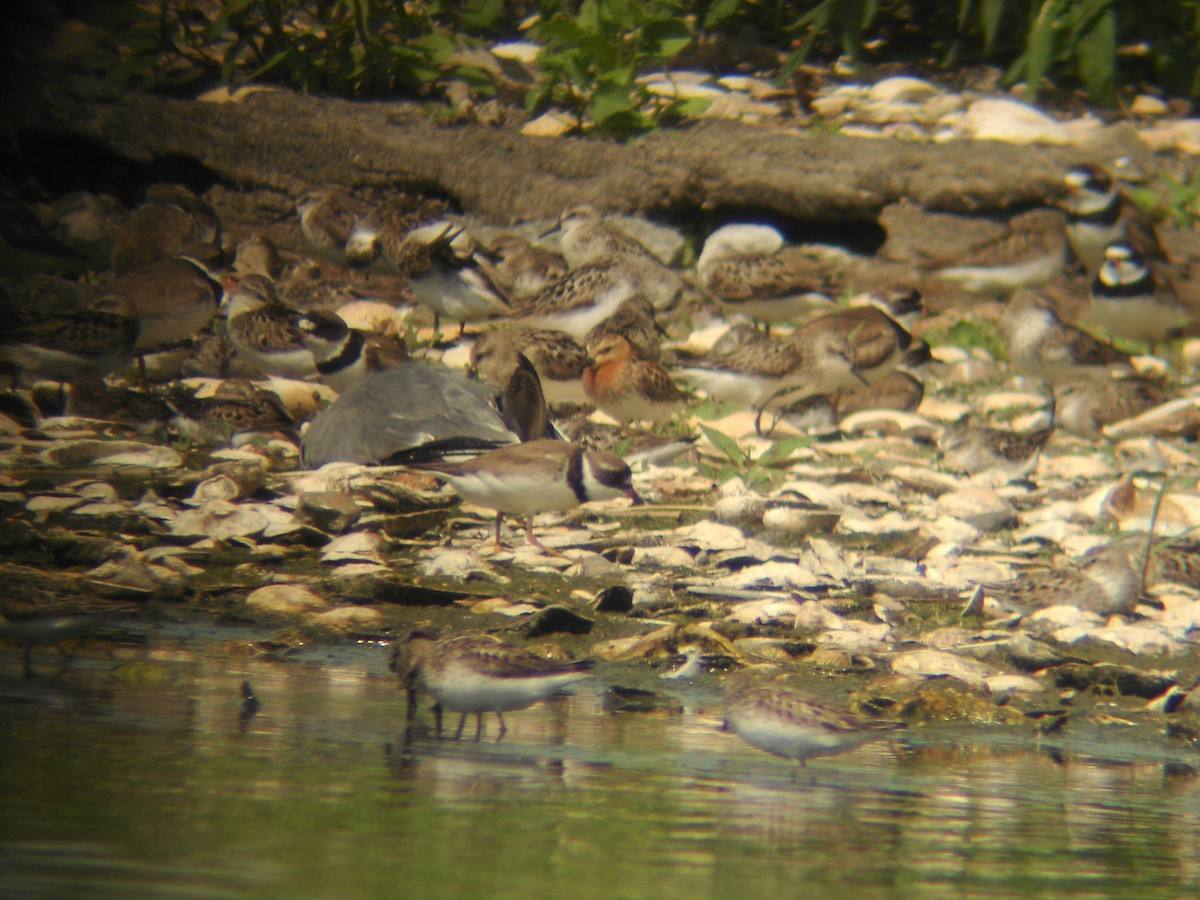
x=284 y=141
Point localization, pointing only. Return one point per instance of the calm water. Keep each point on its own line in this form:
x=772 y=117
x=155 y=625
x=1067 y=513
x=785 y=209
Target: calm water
x=137 y=776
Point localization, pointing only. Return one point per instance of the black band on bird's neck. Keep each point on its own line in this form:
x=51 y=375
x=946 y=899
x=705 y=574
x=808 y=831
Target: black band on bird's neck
x=349 y=352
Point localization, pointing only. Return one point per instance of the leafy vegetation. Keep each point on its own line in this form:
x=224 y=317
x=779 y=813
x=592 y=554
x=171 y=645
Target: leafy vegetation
x=593 y=52
x=1172 y=199
x=763 y=472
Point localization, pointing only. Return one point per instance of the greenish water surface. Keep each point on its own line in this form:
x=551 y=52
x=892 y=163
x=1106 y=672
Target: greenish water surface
x=138 y=774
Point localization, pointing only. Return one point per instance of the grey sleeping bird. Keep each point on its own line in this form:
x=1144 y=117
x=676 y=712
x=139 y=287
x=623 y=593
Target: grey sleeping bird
x=422 y=411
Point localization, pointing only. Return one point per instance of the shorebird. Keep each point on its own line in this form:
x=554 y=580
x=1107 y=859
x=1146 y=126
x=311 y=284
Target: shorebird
x=171 y=299
x=1029 y=255
x=782 y=720
x=877 y=343
x=327 y=219
x=533 y=477
x=412 y=236
x=628 y=388
x=257 y=255
x=633 y=320
x=1099 y=213
x=1130 y=300
x=264 y=331
x=344 y=355
x=579 y=301
x=971 y=448
x=750 y=270
x=1040 y=344
x=774 y=373
x=519 y=268
x=588 y=238
x=478 y=674
x=558 y=358
x=65 y=345
x=236 y=412
x=171 y=219
x=1085 y=406
x=1103 y=582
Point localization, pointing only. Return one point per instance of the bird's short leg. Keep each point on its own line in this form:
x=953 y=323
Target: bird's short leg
x=462 y=720
x=478 y=725
x=503 y=727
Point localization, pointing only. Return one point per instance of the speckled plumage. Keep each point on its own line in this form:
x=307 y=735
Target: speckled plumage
x=782 y=720
x=470 y=673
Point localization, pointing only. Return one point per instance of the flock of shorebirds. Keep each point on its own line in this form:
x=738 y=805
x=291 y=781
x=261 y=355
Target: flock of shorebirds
x=580 y=324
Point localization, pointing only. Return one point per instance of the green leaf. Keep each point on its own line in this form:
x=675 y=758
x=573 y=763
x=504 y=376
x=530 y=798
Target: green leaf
x=726 y=445
x=782 y=450
x=1095 y=54
x=1040 y=44
x=693 y=106
x=269 y=64
x=609 y=101
x=667 y=38
x=719 y=11
x=990 y=14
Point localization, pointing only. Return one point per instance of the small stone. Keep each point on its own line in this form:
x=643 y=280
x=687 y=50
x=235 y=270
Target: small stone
x=347 y=618
x=551 y=124
x=1148 y=106
x=286 y=599
x=331 y=511
x=998 y=119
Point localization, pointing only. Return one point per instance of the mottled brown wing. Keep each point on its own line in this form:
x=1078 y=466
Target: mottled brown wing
x=656 y=385
x=576 y=289
x=267 y=328
x=739 y=278
x=1087 y=350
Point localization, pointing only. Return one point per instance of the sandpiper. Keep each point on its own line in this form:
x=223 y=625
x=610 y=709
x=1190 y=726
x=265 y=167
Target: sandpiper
x=519 y=267
x=1131 y=300
x=235 y=413
x=782 y=720
x=579 y=301
x=533 y=477
x=1099 y=213
x=343 y=355
x=170 y=219
x=413 y=237
x=66 y=344
x=750 y=270
x=257 y=255
x=589 y=238
x=1104 y=582
x=628 y=388
x=558 y=358
x=1040 y=344
x=633 y=320
x=1085 y=406
x=877 y=342
x=1029 y=255
x=327 y=219
x=972 y=448
x=775 y=372
x=264 y=331
x=479 y=674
